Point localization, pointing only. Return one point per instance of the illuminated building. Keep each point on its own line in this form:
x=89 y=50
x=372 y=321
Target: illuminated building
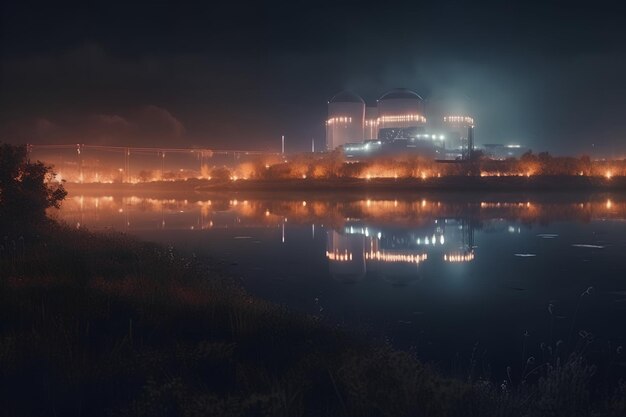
x=457 y=129
x=400 y=115
x=346 y=118
x=396 y=125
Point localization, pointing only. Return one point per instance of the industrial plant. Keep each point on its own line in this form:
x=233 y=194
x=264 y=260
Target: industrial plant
x=398 y=123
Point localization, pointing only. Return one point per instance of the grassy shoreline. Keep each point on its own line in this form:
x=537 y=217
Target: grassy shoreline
x=104 y=324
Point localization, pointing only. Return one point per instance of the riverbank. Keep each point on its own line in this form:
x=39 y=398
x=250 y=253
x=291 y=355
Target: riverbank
x=433 y=184
x=103 y=324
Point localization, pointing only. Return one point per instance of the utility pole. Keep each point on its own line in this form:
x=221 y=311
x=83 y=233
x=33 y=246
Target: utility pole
x=80 y=163
x=162 y=164
x=127 y=164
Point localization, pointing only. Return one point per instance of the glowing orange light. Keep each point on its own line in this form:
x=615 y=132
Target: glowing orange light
x=339 y=256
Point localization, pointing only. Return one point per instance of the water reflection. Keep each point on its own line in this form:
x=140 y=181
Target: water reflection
x=384 y=237
x=437 y=273
x=395 y=253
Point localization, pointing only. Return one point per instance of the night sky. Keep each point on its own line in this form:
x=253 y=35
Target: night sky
x=238 y=75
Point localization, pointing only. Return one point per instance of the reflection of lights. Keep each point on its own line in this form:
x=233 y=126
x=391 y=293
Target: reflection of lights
x=395 y=257
x=441 y=240
x=459 y=257
x=484 y=204
x=336 y=255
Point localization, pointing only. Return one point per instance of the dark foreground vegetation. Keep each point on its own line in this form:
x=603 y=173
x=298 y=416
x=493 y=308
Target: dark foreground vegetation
x=105 y=325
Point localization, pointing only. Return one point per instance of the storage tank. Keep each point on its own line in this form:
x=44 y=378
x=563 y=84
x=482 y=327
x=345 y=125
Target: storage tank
x=400 y=114
x=456 y=127
x=346 y=117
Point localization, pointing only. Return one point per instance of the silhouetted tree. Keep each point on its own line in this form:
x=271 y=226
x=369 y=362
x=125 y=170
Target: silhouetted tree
x=26 y=188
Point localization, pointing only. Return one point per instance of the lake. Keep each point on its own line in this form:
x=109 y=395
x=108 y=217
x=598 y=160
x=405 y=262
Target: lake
x=457 y=278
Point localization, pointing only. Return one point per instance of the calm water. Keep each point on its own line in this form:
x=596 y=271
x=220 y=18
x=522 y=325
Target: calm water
x=437 y=274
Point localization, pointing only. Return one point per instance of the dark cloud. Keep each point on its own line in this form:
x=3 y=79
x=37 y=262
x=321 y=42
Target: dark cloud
x=241 y=74
x=149 y=125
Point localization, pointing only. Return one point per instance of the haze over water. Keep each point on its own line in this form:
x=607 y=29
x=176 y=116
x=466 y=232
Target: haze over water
x=441 y=274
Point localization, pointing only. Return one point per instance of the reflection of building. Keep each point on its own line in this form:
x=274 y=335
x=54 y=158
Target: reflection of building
x=346 y=115
x=394 y=254
x=346 y=256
